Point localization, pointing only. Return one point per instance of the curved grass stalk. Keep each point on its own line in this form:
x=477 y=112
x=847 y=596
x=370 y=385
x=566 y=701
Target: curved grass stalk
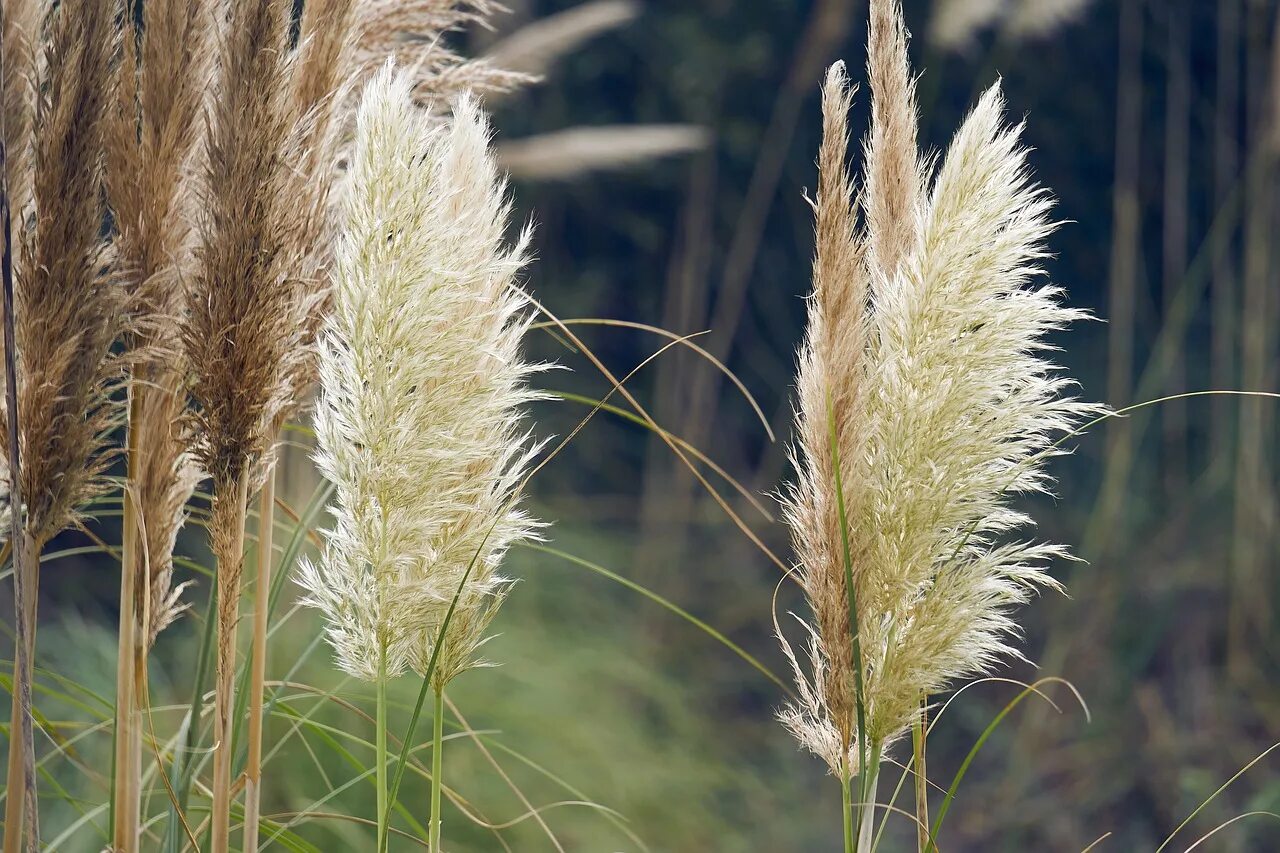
x=1215 y=794
x=611 y=815
x=684 y=340
x=932 y=845
x=684 y=445
x=515 y=789
x=667 y=604
x=1226 y=823
x=653 y=424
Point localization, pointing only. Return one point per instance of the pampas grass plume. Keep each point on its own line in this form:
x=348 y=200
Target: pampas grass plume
x=418 y=422
x=944 y=403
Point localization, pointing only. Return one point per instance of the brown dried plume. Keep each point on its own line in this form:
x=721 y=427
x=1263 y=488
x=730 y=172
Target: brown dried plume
x=69 y=309
x=829 y=384
x=155 y=138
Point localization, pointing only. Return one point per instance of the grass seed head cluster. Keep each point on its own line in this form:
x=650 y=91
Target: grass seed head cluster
x=926 y=359
x=418 y=422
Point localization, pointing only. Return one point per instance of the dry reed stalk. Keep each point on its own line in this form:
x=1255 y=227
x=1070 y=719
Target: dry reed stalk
x=319 y=84
x=1177 y=131
x=18 y=22
x=244 y=331
x=1226 y=167
x=1032 y=19
x=828 y=25
x=258 y=664
x=68 y=310
x=830 y=371
x=1255 y=499
x=155 y=138
x=577 y=151
x=534 y=48
x=1126 y=255
x=227 y=527
x=925 y=402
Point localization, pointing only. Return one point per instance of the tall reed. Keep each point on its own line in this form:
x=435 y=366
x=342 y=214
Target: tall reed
x=18 y=32
x=244 y=330
x=152 y=179
x=925 y=402
x=68 y=310
x=418 y=422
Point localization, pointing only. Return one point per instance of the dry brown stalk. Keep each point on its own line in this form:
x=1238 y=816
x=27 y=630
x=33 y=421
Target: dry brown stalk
x=258 y=664
x=243 y=330
x=1126 y=260
x=68 y=309
x=1226 y=166
x=17 y=66
x=277 y=128
x=155 y=135
x=1177 y=133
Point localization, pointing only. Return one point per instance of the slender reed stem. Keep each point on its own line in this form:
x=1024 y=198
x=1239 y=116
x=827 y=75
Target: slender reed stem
x=126 y=800
x=25 y=565
x=228 y=539
x=918 y=731
x=19 y=810
x=258 y=666
x=846 y=803
x=437 y=740
x=383 y=816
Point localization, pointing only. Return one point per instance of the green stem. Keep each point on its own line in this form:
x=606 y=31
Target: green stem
x=921 y=776
x=382 y=748
x=846 y=801
x=867 y=807
x=437 y=737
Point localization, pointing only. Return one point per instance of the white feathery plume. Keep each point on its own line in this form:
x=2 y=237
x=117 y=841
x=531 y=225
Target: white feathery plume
x=945 y=406
x=419 y=418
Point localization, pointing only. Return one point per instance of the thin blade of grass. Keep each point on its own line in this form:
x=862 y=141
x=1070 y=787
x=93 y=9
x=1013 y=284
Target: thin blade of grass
x=864 y=770
x=1214 y=795
x=669 y=605
x=1030 y=690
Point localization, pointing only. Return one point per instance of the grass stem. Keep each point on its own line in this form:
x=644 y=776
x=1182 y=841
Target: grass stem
x=383 y=812
x=26 y=555
x=437 y=741
x=228 y=539
x=258 y=663
x=846 y=803
x=867 y=806
x=126 y=801
x=918 y=732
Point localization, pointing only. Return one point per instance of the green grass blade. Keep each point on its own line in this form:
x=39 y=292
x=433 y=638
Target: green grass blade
x=864 y=769
x=666 y=603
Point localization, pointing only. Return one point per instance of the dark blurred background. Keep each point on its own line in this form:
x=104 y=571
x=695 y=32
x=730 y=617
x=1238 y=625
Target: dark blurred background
x=664 y=161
